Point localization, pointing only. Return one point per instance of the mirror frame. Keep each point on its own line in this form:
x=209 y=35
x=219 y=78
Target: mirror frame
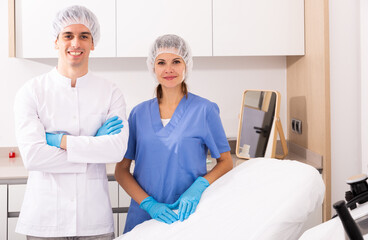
x=276 y=129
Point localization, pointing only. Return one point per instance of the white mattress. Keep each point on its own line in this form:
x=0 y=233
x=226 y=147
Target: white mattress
x=259 y=199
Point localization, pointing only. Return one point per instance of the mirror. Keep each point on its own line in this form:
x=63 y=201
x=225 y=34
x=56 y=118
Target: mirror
x=259 y=125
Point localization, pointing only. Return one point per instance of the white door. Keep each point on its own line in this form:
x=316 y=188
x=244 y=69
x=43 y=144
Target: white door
x=34 y=19
x=258 y=28
x=140 y=22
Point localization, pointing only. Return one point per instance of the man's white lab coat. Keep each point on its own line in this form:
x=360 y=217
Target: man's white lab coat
x=67 y=193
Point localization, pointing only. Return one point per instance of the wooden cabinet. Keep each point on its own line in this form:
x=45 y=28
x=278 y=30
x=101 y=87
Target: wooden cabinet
x=140 y=22
x=258 y=28
x=34 y=19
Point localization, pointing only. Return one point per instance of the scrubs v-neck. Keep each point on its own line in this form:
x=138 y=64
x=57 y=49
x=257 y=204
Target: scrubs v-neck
x=169 y=159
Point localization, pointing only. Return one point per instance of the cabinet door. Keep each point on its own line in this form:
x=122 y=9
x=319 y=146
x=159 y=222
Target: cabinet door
x=12 y=235
x=114 y=200
x=124 y=201
x=140 y=22
x=34 y=26
x=116 y=224
x=114 y=193
x=124 y=198
x=3 y=211
x=16 y=196
x=15 y=200
x=122 y=220
x=255 y=28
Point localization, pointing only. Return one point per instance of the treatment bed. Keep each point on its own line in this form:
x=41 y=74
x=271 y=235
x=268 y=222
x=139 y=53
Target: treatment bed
x=260 y=199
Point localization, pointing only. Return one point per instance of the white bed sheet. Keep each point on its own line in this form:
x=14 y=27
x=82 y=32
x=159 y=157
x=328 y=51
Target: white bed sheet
x=260 y=199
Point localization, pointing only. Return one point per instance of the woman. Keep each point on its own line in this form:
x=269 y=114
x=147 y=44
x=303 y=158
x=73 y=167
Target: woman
x=169 y=139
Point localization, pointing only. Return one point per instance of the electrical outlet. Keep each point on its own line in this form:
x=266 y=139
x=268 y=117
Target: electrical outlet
x=293 y=124
x=296 y=126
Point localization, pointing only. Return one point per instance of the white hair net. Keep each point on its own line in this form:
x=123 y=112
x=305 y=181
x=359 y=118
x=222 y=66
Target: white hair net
x=77 y=15
x=170 y=43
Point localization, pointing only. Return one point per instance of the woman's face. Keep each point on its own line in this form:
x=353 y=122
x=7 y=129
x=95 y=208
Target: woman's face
x=169 y=70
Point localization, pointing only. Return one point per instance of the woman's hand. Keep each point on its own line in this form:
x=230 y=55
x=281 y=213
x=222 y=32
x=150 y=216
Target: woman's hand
x=189 y=200
x=159 y=211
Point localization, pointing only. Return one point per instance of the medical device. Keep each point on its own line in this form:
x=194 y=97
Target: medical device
x=358 y=191
x=358 y=194
x=350 y=226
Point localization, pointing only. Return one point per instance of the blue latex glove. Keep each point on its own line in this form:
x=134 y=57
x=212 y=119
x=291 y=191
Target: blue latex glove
x=158 y=211
x=54 y=139
x=110 y=127
x=189 y=200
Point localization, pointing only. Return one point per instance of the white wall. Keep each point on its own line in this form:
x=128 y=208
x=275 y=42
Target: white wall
x=364 y=81
x=220 y=79
x=345 y=94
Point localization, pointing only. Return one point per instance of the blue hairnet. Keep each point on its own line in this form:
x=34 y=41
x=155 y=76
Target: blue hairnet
x=170 y=43
x=77 y=15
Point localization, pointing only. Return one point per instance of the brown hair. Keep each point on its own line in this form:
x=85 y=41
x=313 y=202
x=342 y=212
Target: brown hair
x=159 y=93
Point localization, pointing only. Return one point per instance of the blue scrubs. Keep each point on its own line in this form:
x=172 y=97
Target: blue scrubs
x=169 y=159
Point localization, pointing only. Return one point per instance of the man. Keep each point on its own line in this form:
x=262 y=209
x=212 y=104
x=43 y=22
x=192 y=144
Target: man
x=63 y=145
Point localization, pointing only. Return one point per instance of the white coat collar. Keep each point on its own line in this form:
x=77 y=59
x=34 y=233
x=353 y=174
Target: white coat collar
x=67 y=81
